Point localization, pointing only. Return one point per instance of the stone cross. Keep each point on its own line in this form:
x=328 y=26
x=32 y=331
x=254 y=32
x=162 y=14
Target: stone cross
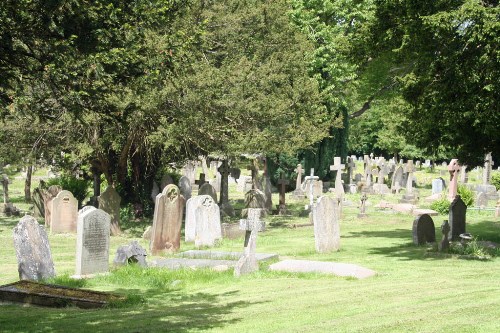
x=488 y=164
x=282 y=182
x=453 y=169
x=338 y=166
x=251 y=225
x=312 y=178
x=5 y=184
x=200 y=181
x=224 y=204
x=410 y=169
x=368 y=171
x=384 y=170
x=350 y=168
x=445 y=243
x=298 y=170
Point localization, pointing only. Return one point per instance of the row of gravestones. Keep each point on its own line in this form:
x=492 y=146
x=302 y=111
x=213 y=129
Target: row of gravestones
x=92 y=246
x=424 y=230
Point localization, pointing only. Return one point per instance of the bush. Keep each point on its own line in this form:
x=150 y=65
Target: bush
x=77 y=186
x=466 y=194
x=495 y=180
x=442 y=206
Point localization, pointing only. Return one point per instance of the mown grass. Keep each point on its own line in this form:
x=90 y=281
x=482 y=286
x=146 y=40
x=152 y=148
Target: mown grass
x=415 y=290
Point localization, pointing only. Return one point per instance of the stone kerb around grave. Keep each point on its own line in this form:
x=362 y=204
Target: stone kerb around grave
x=64 y=213
x=92 y=242
x=31 y=243
x=326 y=225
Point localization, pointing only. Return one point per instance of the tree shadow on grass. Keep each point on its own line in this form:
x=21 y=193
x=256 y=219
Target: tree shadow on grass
x=9 y=222
x=168 y=311
x=393 y=233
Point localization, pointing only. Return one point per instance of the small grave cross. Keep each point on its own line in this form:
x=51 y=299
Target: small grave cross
x=224 y=185
x=252 y=225
x=200 y=181
x=312 y=178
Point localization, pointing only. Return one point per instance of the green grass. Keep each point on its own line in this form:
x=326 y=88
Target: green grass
x=415 y=290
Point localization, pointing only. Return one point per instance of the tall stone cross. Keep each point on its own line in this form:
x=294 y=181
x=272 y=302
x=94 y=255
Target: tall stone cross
x=351 y=165
x=338 y=166
x=410 y=169
x=298 y=170
x=251 y=225
x=453 y=169
x=282 y=182
x=224 y=184
x=312 y=178
x=200 y=181
x=5 y=185
x=488 y=164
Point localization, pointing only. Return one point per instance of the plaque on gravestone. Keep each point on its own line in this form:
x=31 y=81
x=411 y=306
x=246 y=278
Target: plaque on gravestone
x=92 y=242
x=423 y=230
x=32 y=250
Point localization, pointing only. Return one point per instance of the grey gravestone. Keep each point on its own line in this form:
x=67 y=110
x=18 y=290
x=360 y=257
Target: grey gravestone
x=207 y=189
x=445 y=230
x=39 y=209
x=109 y=201
x=362 y=206
x=254 y=199
x=437 y=186
x=155 y=191
x=252 y=225
x=185 y=187
x=298 y=193
x=208 y=228
x=130 y=254
x=397 y=180
x=457 y=215
x=34 y=260
x=166 y=180
x=167 y=221
x=48 y=196
x=326 y=225
x=64 y=213
x=92 y=242
x=423 y=230
x=481 y=199
x=268 y=193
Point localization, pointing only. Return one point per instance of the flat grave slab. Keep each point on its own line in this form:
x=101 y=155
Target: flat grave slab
x=29 y=292
x=308 y=266
x=220 y=255
x=178 y=263
x=420 y=211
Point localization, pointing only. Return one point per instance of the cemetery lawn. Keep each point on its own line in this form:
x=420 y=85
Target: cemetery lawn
x=415 y=290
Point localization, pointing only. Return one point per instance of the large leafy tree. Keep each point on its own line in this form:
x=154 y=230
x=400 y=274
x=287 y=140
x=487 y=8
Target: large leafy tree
x=451 y=55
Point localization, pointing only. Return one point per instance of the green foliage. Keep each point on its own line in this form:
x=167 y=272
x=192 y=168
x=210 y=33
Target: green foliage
x=79 y=187
x=495 y=180
x=472 y=250
x=466 y=194
x=442 y=206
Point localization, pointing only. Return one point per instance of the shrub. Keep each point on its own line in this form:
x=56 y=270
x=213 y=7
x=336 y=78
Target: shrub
x=77 y=186
x=495 y=180
x=466 y=194
x=442 y=206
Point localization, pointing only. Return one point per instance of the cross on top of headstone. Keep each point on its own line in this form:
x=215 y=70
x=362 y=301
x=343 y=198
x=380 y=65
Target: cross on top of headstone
x=312 y=178
x=337 y=166
x=200 y=181
x=350 y=163
x=283 y=183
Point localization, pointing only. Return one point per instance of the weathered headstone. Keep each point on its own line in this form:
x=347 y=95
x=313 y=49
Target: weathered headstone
x=437 y=186
x=445 y=230
x=189 y=171
x=208 y=228
x=254 y=199
x=207 y=189
x=397 y=180
x=34 y=260
x=453 y=169
x=185 y=187
x=252 y=225
x=457 y=216
x=463 y=174
x=362 y=206
x=225 y=206
x=155 y=190
x=298 y=193
x=481 y=200
x=351 y=166
x=166 y=180
x=488 y=165
x=64 y=213
x=326 y=225
x=167 y=221
x=48 y=196
x=282 y=189
x=200 y=182
x=423 y=230
x=268 y=193
x=38 y=207
x=109 y=201
x=130 y=254
x=191 y=224
x=92 y=242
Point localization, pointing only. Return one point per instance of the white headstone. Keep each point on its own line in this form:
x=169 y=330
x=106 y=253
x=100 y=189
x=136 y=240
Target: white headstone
x=64 y=213
x=326 y=225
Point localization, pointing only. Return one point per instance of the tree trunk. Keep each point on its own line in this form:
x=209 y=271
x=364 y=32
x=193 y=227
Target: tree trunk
x=27 y=183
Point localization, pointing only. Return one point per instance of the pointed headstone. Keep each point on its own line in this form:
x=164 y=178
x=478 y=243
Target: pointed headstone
x=109 y=201
x=456 y=218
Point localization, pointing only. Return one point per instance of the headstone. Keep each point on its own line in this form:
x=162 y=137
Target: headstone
x=351 y=166
x=268 y=193
x=64 y=213
x=326 y=225
x=109 y=201
x=200 y=182
x=204 y=166
x=457 y=215
x=437 y=186
x=362 y=206
x=191 y=224
x=185 y=187
x=298 y=193
x=130 y=254
x=463 y=174
x=423 y=230
x=368 y=171
x=254 y=199
x=92 y=242
x=252 y=225
x=166 y=180
x=309 y=181
x=48 y=196
x=338 y=167
x=481 y=200
x=207 y=189
x=235 y=173
x=155 y=190
x=207 y=219
x=189 y=171
x=445 y=243
x=282 y=189
x=488 y=165
x=34 y=260
x=167 y=221
x=453 y=169
x=38 y=207
x=397 y=180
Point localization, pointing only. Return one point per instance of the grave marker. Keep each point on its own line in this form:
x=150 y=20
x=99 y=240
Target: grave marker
x=282 y=182
x=251 y=225
x=453 y=169
x=325 y=218
x=64 y=213
x=338 y=167
x=456 y=218
x=423 y=230
x=109 y=201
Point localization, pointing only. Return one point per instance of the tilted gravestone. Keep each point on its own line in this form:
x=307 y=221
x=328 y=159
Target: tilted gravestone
x=456 y=218
x=326 y=225
x=34 y=260
x=109 y=201
x=423 y=230
x=38 y=208
x=208 y=228
x=64 y=213
x=92 y=241
x=207 y=189
x=185 y=187
x=167 y=221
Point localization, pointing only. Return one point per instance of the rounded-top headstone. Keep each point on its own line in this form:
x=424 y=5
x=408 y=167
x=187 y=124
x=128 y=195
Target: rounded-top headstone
x=423 y=230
